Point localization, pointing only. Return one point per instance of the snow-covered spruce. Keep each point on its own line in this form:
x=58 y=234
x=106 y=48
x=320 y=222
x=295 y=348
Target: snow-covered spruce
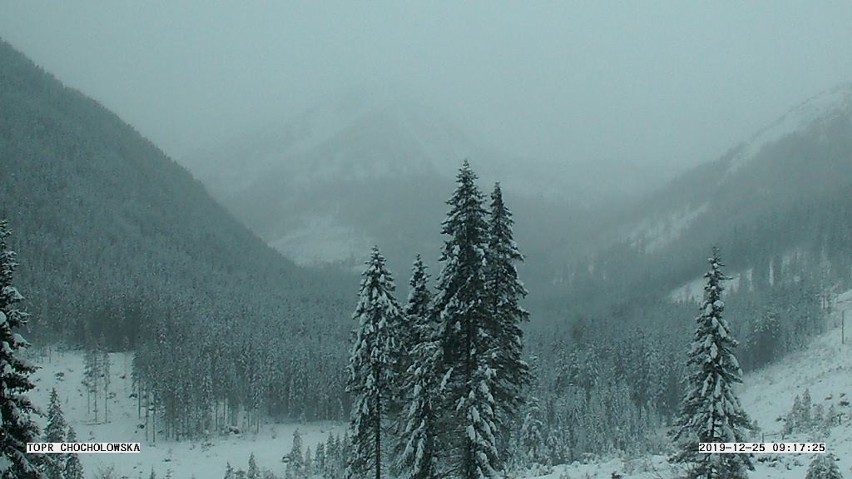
x=296 y=459
x=505 y=291
x=469 y=338
x=415 y=322
x=710 y=411
x=54 y=464
x=416 y=448
x=17 y=427
x=824 y=466
x=73 y=467
x=371 y=368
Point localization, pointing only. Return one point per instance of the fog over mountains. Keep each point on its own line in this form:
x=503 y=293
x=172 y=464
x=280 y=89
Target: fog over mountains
x=308 y=185
x=201 y=213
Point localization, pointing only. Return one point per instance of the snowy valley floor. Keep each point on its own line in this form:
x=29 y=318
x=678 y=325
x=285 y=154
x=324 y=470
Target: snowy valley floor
x=824 y=368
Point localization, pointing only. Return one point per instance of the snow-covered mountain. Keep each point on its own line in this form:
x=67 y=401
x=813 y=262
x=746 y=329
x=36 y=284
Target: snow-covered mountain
x=778 y=205
x=359 y=133
x=804 y=153
x=819 y=108
x=364 y=167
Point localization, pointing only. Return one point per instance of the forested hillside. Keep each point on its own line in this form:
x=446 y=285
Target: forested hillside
x=119 y=247
x=610 y=356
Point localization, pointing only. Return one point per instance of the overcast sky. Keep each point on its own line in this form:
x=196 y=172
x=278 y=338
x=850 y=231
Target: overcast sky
x=671 y=82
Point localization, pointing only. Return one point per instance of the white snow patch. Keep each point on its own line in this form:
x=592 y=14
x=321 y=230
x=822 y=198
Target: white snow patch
x=693 y=291
x=323 y=240
x=651 y=235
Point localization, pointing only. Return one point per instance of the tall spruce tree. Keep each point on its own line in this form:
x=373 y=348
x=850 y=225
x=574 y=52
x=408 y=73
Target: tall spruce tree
x=17 y=427
x=416 y=449
x=710 y=411
x=505 y=291
x=371 y=368
x=468 y=335
x=54 y=464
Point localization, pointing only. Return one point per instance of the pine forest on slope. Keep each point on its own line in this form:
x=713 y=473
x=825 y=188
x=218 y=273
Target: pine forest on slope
x=120 y=247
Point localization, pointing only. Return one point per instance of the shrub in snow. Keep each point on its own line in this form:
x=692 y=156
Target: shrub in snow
x=824 y=466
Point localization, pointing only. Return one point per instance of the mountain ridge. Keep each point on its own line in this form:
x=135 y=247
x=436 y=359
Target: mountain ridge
x=98 y=210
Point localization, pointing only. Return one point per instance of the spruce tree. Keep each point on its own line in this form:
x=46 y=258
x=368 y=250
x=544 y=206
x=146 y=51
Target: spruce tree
x=468 y=335
x=505 y=291
x=296 y=465
x=17 y=427
x=54 y=464
x=73 y=468
x=91 y=374
x=416 y=449
x=419 y=304
x=417 y=310
x=319 y=459
x=710 y=411
x=253 y=471
x=407 y=337
x=371 y=369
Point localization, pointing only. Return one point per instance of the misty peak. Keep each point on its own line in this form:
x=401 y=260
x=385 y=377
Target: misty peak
x=811 y=112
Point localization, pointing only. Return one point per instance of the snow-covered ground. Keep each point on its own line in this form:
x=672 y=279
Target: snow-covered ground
x=185 y=459
x=824 y=368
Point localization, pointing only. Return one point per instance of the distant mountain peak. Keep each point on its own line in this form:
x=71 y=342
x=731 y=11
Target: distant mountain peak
x=821 y=106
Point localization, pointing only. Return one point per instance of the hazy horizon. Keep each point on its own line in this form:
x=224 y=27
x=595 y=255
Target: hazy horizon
x=670 y=84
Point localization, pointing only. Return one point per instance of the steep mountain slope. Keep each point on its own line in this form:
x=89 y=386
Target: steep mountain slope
x=780 y=199
x=112 y=234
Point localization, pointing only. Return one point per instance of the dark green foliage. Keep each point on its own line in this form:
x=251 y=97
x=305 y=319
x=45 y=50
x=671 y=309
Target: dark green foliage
x=122 y=238
x=505 y=291
x=469 y=336
x=17 y=426
x=55 y=431
x=417 y=453
x=73 y=468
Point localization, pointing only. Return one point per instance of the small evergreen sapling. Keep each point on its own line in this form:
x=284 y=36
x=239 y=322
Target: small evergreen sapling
x=253 y=470
x=73 y=467
x=824 y=466
x=54 y=464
